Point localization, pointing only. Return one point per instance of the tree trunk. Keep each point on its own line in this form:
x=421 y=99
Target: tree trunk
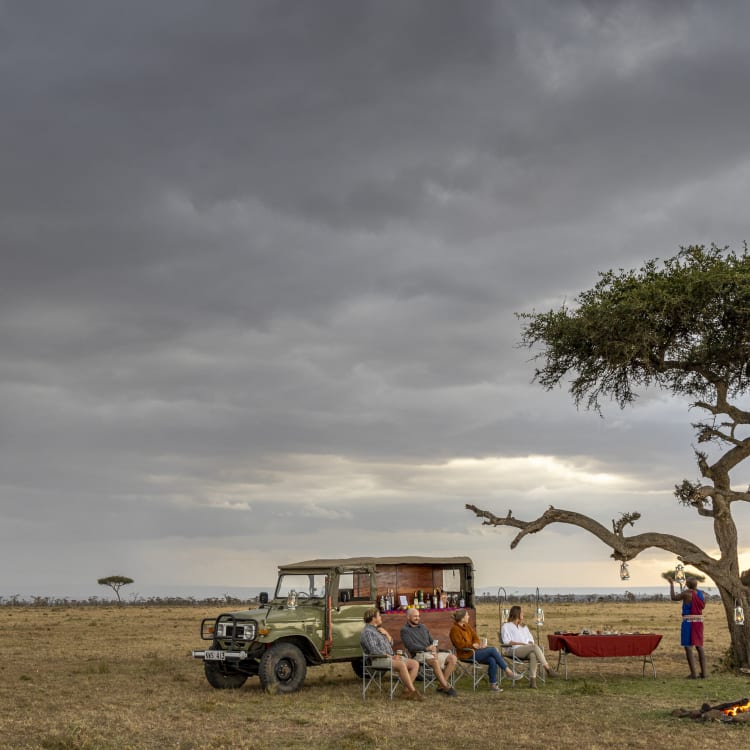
x=739 y=634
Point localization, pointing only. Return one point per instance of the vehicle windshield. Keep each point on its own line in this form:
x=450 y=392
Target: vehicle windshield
x=307 y=585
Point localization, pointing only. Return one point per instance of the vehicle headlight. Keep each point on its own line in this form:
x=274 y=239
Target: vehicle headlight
x=241 y=631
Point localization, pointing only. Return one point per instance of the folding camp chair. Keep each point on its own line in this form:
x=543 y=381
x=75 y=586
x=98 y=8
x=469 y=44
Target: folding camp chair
x=471 y=668
x=520 y=665
x=378 y=670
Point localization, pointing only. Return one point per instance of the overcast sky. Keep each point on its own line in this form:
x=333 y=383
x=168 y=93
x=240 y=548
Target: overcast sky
x=261 y=263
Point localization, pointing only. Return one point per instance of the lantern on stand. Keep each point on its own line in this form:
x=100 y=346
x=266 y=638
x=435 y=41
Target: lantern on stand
x=538 y=615
x=624 y=572
x=739 y=613
x=502 y=609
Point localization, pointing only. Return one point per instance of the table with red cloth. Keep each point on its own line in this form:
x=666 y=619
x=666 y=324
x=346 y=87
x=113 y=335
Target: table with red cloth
x=604 y=646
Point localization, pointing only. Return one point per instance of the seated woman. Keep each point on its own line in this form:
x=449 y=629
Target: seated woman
x=466 y=641
x=515 y=633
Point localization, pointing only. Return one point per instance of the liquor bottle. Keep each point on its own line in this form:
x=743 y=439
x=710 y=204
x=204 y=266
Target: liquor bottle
x=461 y=601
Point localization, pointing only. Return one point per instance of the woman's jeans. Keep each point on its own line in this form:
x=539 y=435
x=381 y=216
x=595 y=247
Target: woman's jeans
x=492 y=658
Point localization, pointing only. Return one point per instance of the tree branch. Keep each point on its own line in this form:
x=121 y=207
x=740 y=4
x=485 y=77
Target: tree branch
x=724 y=407
x=623 y=548
x=712 y=433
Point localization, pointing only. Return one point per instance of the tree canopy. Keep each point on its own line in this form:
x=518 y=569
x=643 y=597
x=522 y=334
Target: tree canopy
x=115 y=583
x=681 y=325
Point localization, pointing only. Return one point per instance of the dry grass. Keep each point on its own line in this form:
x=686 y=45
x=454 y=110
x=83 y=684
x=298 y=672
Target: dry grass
x=117 y=678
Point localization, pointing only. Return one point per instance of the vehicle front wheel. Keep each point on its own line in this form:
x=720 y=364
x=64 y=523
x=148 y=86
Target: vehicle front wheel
x=221 y=677
x=282 y=669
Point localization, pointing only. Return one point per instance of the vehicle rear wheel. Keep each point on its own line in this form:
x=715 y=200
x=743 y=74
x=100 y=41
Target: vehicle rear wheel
x=222 y=677
x=282 y=668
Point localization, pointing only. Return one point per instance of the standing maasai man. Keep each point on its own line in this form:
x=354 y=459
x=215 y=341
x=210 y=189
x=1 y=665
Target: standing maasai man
x=691 y=633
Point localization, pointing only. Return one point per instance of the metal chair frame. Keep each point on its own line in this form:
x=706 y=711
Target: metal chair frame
x=426 y=672
x=519 y=665
x=373 y=675
x=471 y=668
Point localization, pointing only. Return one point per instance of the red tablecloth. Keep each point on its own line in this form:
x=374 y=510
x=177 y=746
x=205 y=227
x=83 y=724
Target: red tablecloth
x=605 y=645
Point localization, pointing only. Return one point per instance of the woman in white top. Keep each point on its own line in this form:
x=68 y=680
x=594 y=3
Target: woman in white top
x=515 y=633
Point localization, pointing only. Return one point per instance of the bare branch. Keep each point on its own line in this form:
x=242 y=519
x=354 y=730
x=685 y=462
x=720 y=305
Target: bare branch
x=625 y=519
x=724 y=407
x=623 y=548
x=712 y=433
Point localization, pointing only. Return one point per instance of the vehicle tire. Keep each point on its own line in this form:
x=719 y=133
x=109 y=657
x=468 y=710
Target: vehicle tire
x=282 y=668
x=358 y=667
x=222 y=677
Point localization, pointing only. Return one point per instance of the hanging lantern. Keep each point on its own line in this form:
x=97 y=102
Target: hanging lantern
x=679 y=575
x=291 y=601
x=624 y=572
x=739 y=613
x=505 y=614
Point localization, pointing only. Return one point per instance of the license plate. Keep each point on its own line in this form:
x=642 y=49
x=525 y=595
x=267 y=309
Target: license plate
x=214 y=656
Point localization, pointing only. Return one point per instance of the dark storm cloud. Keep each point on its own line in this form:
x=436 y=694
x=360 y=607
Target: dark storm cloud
x=251 y=249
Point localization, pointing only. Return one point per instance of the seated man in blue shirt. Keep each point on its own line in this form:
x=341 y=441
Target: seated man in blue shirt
x=416 y=637
x=375 y=639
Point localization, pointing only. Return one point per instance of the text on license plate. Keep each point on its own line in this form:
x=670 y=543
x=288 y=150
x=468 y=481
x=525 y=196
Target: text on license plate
x=214 y=656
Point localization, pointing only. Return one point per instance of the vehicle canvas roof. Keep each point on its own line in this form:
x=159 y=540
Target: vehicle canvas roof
x=366 y=561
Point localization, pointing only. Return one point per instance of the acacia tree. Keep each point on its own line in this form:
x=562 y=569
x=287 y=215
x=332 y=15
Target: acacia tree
x=682 y=326
x=115 y=583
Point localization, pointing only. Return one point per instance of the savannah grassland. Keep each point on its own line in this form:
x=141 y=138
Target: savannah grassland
x=85 y=678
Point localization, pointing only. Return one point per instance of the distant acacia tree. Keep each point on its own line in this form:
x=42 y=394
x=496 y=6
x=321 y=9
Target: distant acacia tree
x=115 y=583
x=682 y=326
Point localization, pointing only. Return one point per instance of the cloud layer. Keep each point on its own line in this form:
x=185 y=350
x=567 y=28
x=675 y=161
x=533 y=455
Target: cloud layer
x=260 y=270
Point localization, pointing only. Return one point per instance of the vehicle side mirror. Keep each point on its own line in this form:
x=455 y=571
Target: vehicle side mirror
x=263 y=597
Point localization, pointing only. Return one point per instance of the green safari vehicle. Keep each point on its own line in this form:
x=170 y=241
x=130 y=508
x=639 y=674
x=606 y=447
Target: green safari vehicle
x=316 y=616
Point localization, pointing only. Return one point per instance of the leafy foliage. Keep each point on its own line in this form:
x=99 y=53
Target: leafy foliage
x=683 y=326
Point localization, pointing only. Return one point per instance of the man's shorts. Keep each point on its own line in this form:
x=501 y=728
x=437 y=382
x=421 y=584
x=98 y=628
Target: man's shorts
x=427 y=655
x=381 y=662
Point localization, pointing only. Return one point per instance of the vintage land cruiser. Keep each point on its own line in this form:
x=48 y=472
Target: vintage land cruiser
x=316 y=616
